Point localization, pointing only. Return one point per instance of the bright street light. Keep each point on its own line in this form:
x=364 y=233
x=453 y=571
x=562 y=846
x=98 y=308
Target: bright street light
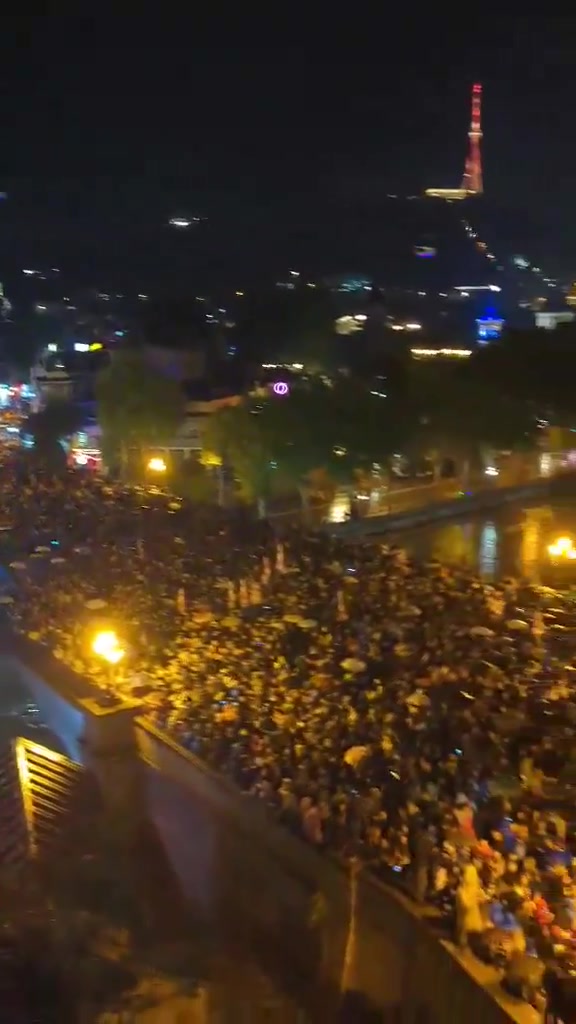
x=106 y=645
x=157 y=465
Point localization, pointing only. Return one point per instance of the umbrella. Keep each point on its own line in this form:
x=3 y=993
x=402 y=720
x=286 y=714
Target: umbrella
x=95 y=604
x=292 y=618
x=307 y=623
x=518 y=624
x=481 y=631
x=354 y=755
x=57 y=561
x=82 y=549
x=17 y=565
x=353 y=665
x=43 y=550
x=231 y=621
x=6 y=599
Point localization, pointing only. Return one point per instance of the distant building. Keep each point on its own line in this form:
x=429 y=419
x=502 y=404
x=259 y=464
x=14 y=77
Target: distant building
x=550 y=320
x=488 y=328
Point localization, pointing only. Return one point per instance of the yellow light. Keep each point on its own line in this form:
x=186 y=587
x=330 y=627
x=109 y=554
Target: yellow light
x=157 y=465
x=106 y=646
x=563 y=547
x=449 y=353
x=208 y=458
x=96 y=346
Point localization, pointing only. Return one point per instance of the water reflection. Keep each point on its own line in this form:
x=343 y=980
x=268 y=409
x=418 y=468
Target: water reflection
x=488 y=551
x=512 y=543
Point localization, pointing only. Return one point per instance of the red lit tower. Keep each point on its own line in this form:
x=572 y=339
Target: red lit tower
x=472 y=180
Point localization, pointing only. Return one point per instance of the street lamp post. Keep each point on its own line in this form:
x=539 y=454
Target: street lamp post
x=107 y=646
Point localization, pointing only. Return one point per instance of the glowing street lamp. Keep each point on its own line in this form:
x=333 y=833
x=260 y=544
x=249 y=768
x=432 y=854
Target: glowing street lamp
x=157 y=465
x=107 y=646
x=563 y=547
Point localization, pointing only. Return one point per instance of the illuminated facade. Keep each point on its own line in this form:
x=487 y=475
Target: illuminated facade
x=488 y=328
x=550 y=320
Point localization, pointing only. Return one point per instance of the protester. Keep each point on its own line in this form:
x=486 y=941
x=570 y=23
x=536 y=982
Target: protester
x=406 y=714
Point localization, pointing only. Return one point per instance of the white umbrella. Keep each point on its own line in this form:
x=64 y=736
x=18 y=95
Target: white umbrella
x=57 y=561
x=519 y=625
x=6 y=599
x=17 y=565
x=481 y=631
x=95 y=604
x=43 y=550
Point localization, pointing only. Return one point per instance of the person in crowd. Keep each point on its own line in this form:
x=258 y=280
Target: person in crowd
x=402 y=713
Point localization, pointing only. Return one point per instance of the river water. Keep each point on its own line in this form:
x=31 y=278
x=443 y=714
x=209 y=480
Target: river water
x=511 y=541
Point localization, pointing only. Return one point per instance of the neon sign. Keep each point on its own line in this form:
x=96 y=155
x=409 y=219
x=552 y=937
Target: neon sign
x=280 y=388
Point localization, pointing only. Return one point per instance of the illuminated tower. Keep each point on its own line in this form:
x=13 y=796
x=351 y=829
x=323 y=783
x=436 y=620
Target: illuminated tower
x=472 y=180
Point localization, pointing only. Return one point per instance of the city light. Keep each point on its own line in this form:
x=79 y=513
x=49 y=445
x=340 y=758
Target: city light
x=157 y=465
x=563 y=547
x=106 y=645
x=448 y=353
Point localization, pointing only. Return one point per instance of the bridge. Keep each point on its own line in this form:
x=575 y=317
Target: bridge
x=335 y=934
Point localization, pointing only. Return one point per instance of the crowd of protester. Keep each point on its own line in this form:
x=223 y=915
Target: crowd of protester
x=406 y=714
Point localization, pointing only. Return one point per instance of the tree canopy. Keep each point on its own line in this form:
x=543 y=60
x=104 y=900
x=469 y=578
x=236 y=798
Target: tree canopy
x=272 y=441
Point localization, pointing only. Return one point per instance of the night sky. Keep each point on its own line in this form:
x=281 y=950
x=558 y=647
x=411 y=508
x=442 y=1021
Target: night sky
x=111 y=126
